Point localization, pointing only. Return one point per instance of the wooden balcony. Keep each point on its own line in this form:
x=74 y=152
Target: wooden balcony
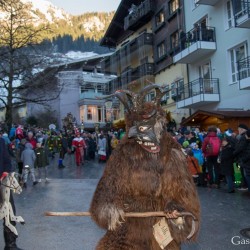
x=145 y=39
x=138 y=15
x=132 y=75
x=141 y=45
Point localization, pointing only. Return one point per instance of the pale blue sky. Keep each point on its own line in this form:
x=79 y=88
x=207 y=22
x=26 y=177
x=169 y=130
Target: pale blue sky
x=76 y=7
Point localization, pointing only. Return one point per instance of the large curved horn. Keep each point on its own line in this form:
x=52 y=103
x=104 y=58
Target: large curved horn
x=145 y=90
x=159 y=94
x=124 y=99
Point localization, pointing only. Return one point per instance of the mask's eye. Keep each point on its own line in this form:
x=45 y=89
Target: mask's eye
x=142 y=128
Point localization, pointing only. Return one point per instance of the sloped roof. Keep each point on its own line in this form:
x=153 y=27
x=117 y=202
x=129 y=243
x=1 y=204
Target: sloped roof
x=200 y=115
x=116 y=27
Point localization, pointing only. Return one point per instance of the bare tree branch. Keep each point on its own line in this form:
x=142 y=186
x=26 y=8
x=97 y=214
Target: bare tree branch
x=22 y=57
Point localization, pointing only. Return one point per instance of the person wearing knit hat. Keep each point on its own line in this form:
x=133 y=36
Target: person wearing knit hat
x=243 y=126
x=239 y=153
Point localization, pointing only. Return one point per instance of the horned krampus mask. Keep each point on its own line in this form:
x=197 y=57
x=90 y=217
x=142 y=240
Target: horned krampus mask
x=145 y=121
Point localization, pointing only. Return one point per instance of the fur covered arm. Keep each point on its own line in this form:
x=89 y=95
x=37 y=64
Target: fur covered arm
x=106 y=206
x=180 y=195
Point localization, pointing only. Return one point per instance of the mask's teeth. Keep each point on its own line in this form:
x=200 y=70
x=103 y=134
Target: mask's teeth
x=153 y=148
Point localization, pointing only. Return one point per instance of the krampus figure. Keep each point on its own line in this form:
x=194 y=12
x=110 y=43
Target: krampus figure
x=146 y=172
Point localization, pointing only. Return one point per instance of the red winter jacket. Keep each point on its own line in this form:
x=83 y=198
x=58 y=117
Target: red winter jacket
x=207 y=141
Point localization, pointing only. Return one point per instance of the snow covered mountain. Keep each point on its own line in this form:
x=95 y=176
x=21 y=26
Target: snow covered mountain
x=77 y=33
x=46 y=10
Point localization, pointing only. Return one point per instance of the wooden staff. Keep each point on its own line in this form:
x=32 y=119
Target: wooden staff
x=173 y=215
x=131 y=214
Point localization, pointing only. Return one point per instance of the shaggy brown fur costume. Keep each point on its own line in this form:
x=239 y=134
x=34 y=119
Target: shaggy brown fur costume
x=136 y=180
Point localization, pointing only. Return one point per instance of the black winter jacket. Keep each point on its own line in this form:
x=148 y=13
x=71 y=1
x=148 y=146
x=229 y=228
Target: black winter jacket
x=227 y=160
x=5 y=162
x=239 y=148
x=246 y=157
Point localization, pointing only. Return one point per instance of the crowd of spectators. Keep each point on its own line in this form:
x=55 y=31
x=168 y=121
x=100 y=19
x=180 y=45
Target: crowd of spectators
x=213 y=156
x=216 y=157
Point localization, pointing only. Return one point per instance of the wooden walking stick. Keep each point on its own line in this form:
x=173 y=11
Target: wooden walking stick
x=173 y=215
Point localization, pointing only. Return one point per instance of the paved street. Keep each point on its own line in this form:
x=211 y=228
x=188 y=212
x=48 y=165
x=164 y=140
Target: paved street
x=71 y=189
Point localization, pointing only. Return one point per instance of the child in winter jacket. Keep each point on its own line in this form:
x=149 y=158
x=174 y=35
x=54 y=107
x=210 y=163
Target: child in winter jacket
x=198 y=154
x=193 y=165
x=28 y=158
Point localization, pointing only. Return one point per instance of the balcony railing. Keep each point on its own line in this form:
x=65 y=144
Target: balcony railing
x=138 y=43
x=115 y=85
x=91 y=95
x=244 y=73
x=110 y=64
x=194 y=44
x=138 y=47
x=242 y=13
x=138 y=15
x=198 y=91
x=207 y=2
x=133 y=74
x=206 y=34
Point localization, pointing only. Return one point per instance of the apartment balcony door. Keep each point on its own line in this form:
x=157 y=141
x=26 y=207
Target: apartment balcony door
x=206 y=75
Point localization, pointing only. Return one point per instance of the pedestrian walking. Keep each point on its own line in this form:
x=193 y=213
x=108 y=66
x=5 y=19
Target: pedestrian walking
x=41 y=162
x=239 y=153
x=28 y=158
x=20 y=149
x=102 y=145
x=91 y=147
x=226 y=160
x=79 y=144
x=211 y=148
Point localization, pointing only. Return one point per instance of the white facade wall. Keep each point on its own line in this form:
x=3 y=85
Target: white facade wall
x=231 y=97
x=69 y=97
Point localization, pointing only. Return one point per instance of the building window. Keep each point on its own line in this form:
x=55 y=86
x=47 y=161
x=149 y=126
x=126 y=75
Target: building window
x=90 y=113
x=174 y=40
x=100 y=118
x=230 y=16
x=237 y=54
x=180 y=87
x=82 y=113
x=165 y=98
x=173 y=6
x=240 y=8
x=150 y=97
x=159 y=19
x=161 y=50
x=173 y=89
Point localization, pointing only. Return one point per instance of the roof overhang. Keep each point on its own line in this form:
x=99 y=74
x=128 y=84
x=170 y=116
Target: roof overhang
x=116 y=28
x=201 y=115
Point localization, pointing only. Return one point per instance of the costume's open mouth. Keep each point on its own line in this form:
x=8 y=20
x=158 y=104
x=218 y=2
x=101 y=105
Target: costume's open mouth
x=149 y=146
